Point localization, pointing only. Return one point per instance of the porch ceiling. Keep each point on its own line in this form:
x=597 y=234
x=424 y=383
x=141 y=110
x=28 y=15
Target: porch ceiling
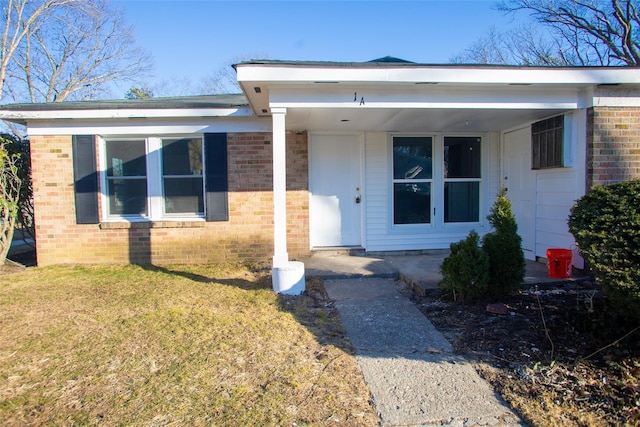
x=412 y=120
x=403 y=107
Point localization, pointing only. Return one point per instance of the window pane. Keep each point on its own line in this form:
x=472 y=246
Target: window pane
x=547 y=142
x=412 y=157
x=535 y=151
x=544 y=161
x=126 y=158
x=412 y=203
x=558 y=154
x=183 y=195
x=462 y=157
x=182 y=156
x=462 y=201
x=127 y=196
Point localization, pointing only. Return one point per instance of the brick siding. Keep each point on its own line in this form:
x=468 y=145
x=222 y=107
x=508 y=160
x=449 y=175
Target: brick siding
x=248 y=235
x=613 y=145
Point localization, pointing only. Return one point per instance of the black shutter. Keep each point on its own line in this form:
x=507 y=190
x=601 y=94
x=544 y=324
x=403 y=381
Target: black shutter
x=216 y=183
x=85 y=178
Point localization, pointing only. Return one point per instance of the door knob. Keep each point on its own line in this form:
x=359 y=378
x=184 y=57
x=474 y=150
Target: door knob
x=358 y=198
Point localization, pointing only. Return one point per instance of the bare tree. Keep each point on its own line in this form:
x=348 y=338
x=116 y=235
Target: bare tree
x=53 y=50
x=50 y=51
x=139 y=93
x=19 y=19
x=589 y=32
x=223 y=79
x=523 y=45
x=220 y=80
x=174 y=86
x=10 y=191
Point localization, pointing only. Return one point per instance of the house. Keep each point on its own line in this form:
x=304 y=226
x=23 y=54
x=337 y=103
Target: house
x=386 y=155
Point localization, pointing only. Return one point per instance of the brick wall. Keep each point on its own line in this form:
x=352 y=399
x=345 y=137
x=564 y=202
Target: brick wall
x=247 y=235
x=613 y=145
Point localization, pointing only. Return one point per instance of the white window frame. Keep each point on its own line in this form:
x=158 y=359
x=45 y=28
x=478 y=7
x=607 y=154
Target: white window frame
x=480 y=181
x=419 y=227
x=155 y=196
x=437 y=190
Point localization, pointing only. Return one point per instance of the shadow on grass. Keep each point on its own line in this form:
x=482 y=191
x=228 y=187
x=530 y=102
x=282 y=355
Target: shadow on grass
x=313 y=309
x=317 y=312
x=258 y=281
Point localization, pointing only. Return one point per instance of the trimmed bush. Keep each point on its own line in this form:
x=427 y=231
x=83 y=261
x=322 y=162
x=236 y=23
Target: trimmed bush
x=503 y=247
x=606 y=225
x=464 y=271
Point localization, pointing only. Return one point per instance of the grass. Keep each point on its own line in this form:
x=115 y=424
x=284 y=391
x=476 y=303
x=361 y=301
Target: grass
x=198 y=345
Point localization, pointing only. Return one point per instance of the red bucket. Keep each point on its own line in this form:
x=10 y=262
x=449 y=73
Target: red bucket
x=559 y=262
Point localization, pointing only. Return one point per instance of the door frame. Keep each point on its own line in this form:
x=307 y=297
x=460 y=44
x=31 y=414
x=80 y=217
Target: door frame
x=359 y=138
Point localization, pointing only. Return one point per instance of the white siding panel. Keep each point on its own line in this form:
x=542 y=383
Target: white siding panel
x=492 y=172
x=376 y=187
x=557 y=199
x=553 y=240
x=552 y=212
x=558 y=225
x=560 y=181
x=555 y=194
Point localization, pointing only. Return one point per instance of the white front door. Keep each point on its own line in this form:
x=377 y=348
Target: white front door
x=335 y=190
x=520 y=181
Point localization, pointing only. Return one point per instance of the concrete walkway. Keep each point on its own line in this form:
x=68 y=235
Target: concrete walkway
x=414 y=376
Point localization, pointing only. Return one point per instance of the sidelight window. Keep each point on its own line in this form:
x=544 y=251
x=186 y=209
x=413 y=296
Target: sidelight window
x=412 y=179
x=462 y=176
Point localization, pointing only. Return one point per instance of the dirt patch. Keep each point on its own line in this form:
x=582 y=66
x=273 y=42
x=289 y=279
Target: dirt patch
x=559 y=356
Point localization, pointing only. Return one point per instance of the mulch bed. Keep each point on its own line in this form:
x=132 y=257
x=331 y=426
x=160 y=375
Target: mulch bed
x=559 y=355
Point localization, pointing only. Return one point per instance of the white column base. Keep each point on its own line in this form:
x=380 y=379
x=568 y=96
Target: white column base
x=288 y=279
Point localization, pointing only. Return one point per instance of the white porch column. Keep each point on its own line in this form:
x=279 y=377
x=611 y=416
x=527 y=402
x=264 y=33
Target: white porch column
x=287 y=277
x=280 y=255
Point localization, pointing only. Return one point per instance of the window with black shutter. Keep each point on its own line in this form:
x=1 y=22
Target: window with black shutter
x=153 y=178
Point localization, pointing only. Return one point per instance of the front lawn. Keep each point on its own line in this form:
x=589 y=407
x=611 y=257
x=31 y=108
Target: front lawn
x=180 y=345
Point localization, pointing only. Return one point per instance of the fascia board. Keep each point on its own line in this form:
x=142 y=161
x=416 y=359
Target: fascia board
x=148 y=127
x=13 y=115
x=437 y=105
x=461 y=75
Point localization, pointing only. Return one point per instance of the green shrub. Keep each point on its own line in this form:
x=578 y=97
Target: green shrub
x=465 y=270
x=606 y=225
x=503 y=247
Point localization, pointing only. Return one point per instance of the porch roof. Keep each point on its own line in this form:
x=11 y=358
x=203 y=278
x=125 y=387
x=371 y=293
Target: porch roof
x=198 y=106
x=395 y=95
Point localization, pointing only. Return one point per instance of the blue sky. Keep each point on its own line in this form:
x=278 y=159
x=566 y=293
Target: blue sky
x=194 y=38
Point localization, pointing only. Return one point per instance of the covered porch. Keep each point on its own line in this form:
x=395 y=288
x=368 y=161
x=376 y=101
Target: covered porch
x=377 y=109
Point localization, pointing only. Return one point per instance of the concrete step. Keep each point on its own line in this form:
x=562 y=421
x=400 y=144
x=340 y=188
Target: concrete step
x=338 y=251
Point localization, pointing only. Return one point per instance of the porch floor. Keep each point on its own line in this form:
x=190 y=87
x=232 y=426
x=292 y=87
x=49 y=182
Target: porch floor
x=421 y=271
